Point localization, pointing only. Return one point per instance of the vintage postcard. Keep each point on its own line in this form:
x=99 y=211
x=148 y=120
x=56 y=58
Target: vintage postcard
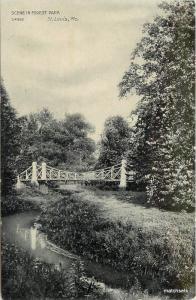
x=97 y=149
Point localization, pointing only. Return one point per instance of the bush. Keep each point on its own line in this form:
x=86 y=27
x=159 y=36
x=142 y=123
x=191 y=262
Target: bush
x=13 y=204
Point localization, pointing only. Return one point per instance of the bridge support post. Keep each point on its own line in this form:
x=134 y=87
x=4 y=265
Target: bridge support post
x=123 y=177
x=43 y=171
x=19 y=184
x=34 y=174
x=112 y=172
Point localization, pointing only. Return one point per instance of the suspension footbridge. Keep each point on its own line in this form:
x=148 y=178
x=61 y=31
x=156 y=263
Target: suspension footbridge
x=43 y=173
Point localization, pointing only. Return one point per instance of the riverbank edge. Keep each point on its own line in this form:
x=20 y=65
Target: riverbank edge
x=184 y=281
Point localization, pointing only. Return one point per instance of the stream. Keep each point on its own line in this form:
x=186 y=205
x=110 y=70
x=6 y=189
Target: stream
x=21 y=230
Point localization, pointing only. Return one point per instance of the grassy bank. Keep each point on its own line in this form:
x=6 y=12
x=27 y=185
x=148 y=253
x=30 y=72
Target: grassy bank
x=28 y=199
x=156 y=249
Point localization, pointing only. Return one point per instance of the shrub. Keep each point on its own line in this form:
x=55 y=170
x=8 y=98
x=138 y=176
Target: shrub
x=13 y=204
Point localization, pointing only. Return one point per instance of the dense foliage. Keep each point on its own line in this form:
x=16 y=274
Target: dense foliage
x=114 y=141
x=10 y=150
x=14 y=204
x=154 y=257
x=162 y=73
x=62 y=143
x=10 y=143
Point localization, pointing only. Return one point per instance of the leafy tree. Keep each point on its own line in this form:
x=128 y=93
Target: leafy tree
x=37 y=139
x=114 y=141
x=162 y=73
x=62 y=143
x=79 y=147
x=10 y=146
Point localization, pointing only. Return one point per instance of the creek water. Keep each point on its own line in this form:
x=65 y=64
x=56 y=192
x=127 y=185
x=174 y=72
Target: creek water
x=20 y=229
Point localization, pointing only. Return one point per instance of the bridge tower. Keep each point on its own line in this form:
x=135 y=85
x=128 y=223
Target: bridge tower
x=123 y=176
x=43 y=185
x=34 y=174
x=43 y=177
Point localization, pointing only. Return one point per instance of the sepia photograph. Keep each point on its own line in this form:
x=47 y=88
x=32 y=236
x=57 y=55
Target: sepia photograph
x=97 y=150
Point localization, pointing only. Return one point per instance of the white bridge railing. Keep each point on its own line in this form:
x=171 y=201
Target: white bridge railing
x=121 y=173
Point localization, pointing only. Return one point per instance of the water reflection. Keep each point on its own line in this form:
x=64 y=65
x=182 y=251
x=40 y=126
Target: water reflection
x=33 y=236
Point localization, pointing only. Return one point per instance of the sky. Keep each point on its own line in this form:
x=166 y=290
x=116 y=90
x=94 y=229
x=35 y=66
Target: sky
x=71 y=66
